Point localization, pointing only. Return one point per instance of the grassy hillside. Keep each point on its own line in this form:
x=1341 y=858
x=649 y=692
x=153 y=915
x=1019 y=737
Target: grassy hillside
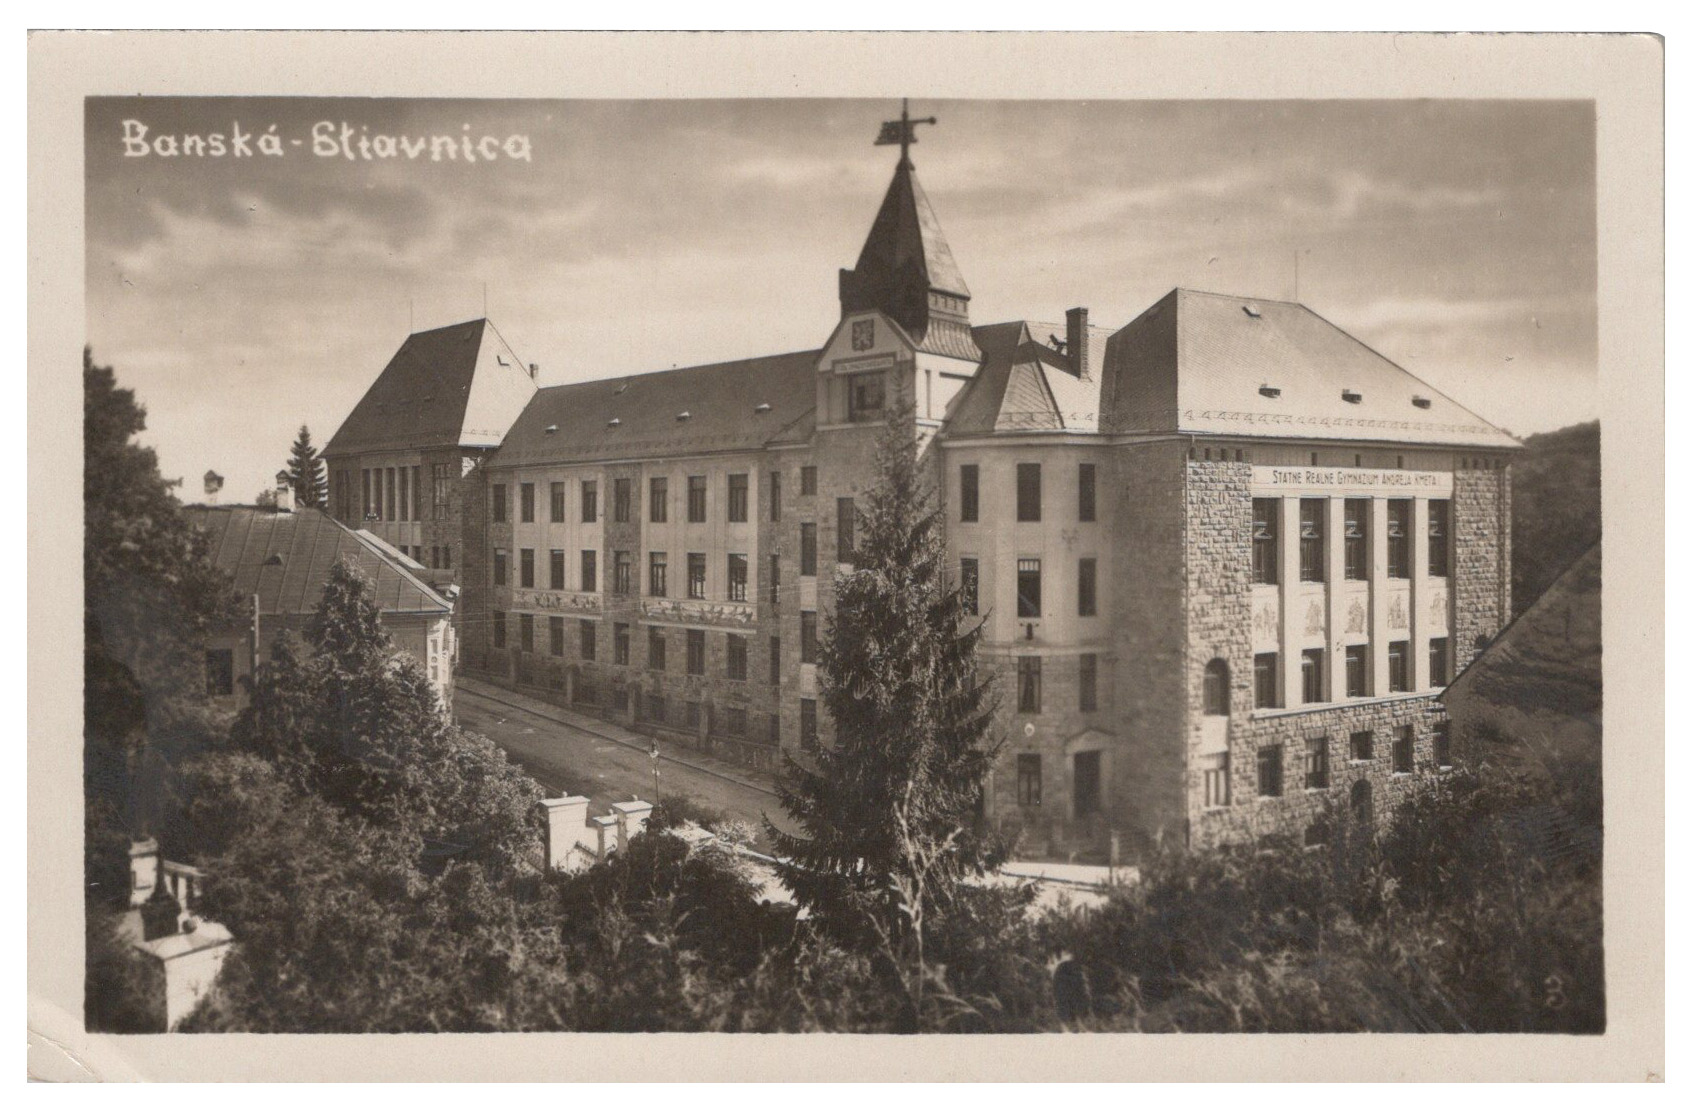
x=1556 y=507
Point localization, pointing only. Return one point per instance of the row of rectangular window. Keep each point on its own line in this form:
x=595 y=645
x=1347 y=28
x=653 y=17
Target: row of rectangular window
x=390 y=494
x=1356 y=538
x=1362 y=746
x=1030 y=683
x=659 y=500
x=654 y=708
x=658 y=572
x=735 y=657
x=1028 y=497
x=1029 y=586
x=1315 y=675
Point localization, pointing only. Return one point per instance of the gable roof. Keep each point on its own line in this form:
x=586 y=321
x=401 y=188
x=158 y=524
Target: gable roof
x=1196 y=362
x=306 y=544
x=639 y=415
x=458 y=385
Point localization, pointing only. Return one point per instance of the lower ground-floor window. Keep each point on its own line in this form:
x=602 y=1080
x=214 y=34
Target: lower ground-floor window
x=1360 y=745
x=1404 y=749
x=1441 y=745
x=1029 y=780
x=1318 y=763
x=1271 y=770
x=1215 y=780
x=808 y=724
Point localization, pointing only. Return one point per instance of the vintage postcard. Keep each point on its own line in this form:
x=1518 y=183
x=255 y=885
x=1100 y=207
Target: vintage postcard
x=594 y=541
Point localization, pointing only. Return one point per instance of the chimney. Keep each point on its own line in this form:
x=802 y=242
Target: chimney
x=1077 y=341
x=566 y=816
x=285 y=494
x=534 y=367
x=214 y=484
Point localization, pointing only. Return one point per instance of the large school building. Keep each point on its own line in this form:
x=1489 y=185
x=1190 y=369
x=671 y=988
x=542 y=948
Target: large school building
x=1226 y=554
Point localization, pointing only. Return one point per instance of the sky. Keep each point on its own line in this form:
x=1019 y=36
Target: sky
x=245 y=296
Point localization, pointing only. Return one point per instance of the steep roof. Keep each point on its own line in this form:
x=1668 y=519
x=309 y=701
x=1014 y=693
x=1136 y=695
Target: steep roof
x=1026 y=385
x=1197 y=362
x=906 y=233
x=285 y=559
x=459 y=385
x=640 y=415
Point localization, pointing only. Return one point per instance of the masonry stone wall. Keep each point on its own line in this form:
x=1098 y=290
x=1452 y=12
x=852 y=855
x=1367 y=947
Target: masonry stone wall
x=1482 y=555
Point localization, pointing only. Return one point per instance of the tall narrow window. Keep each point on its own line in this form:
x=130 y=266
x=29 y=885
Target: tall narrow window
x=1318 y=763
x=405 y=494
x=1402 y=753
x=1215 y=689
x=441 y=482
x=776 y=573
x=500 y=629
x=500 y=568
x=1399 y=667
x=1215 y=777
x=697 y=575
x=556 y=570
x=1356 y=538
x=1029 y=492
x=1029 y=780
x=738 y=577
x=1438 y=662
x=809 y=548
x=526 y=502
x=1312 y=676
x=968 y=584
x=1441 y=744
x=658 y=499
x=696 y=646
x=808 y=480
x=586 y=639
x=1355 y=666
x=656 y=649
x=697 y=498
x=526 y=568
x=1029 y=587
x=1086 y=587
x=621 y=576
x=591 y=500
x=417 y=492
x=776 y=496
x=1085 y=492
x=809 y=724
x=1270 y=770
x=735 y=657
x=365 y=493
x=1030 y=685
x=620 y=643
x=656 y=574
x=497 y=502
x=589 y=558
x=738 y=497
x=1265 y=680
x=809 y=637
x=621 y=496
x=556 y=502
x=844 y=531
x=1312 y=540
x=1400 y=538
x=556 y=635
x=1265 y=540
x=968 y=492
x=392 y=500
x=527 y=633
x=1088 y=669
x=1438 y=536
x=775 y=662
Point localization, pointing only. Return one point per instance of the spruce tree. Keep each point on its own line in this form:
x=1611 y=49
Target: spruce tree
x=886 y=818
x=306 y=473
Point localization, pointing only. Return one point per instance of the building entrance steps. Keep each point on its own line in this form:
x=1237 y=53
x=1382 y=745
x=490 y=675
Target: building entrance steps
x=612 y=732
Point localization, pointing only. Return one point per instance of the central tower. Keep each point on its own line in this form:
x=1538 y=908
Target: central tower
x=906 y=269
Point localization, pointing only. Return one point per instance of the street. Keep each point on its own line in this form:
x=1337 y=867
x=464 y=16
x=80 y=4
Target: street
x=568 y=759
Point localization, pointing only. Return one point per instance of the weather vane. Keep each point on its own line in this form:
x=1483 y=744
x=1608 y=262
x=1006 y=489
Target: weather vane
x=900 y=131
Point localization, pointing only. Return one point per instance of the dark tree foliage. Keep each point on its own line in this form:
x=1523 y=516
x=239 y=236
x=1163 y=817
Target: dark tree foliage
x=886 y=818
x=345 y=719
x=150 y=595
x=1556 y=506
x=306 y=472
